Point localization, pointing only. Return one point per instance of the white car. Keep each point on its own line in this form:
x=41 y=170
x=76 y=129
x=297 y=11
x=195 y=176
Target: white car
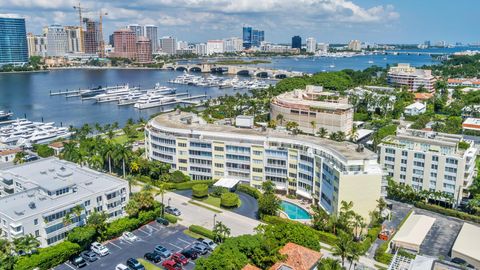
x=100 y=249
x=129 y=236
x=121 y=266
x=208 y=243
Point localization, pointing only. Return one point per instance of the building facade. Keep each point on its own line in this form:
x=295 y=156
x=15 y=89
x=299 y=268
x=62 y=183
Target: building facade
x=137 y=29
x=201 y=49
x=296 y=42
x=168 y=45
x=428 y=160
x=410 y=77
x=328 y=110
x=215 y=46
x=311 y=45
x=74 y=39
x=151 y=32
x=233 y=44
x=355 y=45
x=124 y=41
x=37 y=197
x=252 y=37
x=57 y=43
x=144 y=50
x=92 y=37
x=308 y=166
x=37 y=45
x=13 y=41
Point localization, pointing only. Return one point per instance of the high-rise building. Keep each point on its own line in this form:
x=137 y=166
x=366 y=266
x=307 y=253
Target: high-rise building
x=182 y=45
x=355 y=45
x=124 y=41
x=74 y=39
x=411 y=77
x=57 y=44
x=311 y=45
x=151 y=32
x=37 y=45
x=201 y=49
x=296 y=42
x=13 y=41
x=137 y=29
x=215 y=46
x=252 y=37
x=144 y=50
x=168 y=45
x=233 y=44
x=323 y=47
x=92 y=36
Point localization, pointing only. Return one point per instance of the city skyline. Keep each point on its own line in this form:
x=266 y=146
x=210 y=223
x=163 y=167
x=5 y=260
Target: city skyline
x=333 y=21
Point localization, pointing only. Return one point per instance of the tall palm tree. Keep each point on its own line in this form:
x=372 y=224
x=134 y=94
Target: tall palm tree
x=313 y=124
x=322 y=132
x=108 y=152
x=96 y=162
x=343 y=246
x=329 y=264
x=131 y=181
x=122 y=152
x=26 y=243
x=354 y=254
x=354 y=133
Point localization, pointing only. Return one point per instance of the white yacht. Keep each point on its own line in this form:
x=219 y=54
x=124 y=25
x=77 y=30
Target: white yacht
x=114 y=94
x=151 y=100
x=130 y=98
x=5 y=115
x=23 y=131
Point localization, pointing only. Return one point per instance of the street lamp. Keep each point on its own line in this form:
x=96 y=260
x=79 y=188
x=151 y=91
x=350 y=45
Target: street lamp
x=214 y=217
x=169 y=201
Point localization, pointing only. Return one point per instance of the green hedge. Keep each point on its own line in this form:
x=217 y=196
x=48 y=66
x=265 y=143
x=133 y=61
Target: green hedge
x=83 y=236
x=371 y=236
x=190 y=184
x=145 y=217
x=327 y=238
x=229 y=200
x=381 y=254
x=249 y=190
x=171 y=218
x=202 y=231
x=448 y=212
x=48 y=257
x=200 y=190
x=118 y=226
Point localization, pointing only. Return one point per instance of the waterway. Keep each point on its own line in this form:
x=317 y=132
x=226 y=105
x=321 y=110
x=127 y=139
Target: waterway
x=27 y=94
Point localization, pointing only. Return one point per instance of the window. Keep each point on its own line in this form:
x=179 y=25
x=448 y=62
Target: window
x=219 y=148
x=257 y=153
x=292 y=166
x=434 y=166
x=388 y=158
x=403 y=169
x=418 y=163
x=37 y=233
x=434 y=158
x=99 y=198
x=258 y=170
x=420 y=155
x=35 y=221
x=219 y=165
x=258 y=161
x=182 y=160
x=404 y=153
x=433 y=174
x=181 y=144
x=402 y=176
x=403 y=161
x=452 y=161
x=86 y=203
x=390 y=151
x=219 y=156
x=450 y=169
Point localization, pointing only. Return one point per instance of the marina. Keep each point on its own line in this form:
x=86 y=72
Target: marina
x=215 y=81
x=23 y=132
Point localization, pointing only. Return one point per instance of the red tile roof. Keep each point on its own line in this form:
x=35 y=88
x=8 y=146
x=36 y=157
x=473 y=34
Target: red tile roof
x=298 y=257
x=250 y=267
x=423 y=96
x=9 y=152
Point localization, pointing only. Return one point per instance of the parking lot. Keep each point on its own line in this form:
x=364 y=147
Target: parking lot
x=150 y=235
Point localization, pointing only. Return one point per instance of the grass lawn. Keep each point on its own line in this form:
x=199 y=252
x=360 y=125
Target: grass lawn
x=123 y=138
x=192 y=234
x=148 y=265
x=214 y=201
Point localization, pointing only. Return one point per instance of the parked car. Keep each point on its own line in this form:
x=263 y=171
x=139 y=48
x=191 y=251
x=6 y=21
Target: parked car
x=190 y=253
x=129 y=236
x=89 y=256
x=172 y=210
x=163 y=221
x=200 y=248
x=171 y=265
x=178 y=257
x=207 y=242
x=153 y=257
x=100 y=249
x=29 y=158
x=121 y=266
x=162 y=251
x=460 y=261
x=134 y=264
x=78 y=261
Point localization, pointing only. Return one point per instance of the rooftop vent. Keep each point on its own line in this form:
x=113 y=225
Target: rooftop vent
x=43 y=172
x=88 y=183
x=42 y=198
x=32 y=205
x=19 y=213
x=51 y=170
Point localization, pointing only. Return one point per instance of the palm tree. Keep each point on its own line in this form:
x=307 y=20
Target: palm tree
x=123 y=153
x=131 y=181
x=77 y=210
x=358 y=224
x=220 y=231
x=329 y=264
x=354 y=133
x=313 y=124
x=96 y=162
x=280 y=118
x=354 y=254
x=343 y=246
x=107 y=152
x=67 y=219
x=322 y=132
x=26 y=243
x=98 y=128
x=341 y=136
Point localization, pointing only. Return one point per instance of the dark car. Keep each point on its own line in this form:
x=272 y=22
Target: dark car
x=163 y=221
x=78 y=261
x=134 y=264
x=153 y=257
x=89 y=256
x=200 y=248
x=460 y=261
x=190 y=253
x=29 y=158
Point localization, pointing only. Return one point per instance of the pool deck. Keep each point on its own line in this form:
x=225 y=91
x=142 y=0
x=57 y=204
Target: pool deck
x=305 y=206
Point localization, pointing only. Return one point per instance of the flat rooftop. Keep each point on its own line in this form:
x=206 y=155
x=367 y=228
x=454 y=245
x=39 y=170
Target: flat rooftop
x=51 y=174
x=467 y=241
x=177 y=120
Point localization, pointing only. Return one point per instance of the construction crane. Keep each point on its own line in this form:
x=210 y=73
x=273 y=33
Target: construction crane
x=101 y=43
x=81 y=9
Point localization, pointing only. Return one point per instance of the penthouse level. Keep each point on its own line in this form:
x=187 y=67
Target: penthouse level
x=38 y=197
x=311 y=167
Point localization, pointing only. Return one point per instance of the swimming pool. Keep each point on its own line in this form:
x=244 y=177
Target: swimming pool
x=294 y=211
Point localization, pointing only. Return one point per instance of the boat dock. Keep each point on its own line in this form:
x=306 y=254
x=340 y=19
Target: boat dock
x=66 y=93
x=185 y=100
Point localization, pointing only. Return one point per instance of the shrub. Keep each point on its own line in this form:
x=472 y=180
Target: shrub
x=49 y=257
x=147 y=216
x=179 y=177
x=43 y=150
x=218 y=191
x=448 y=212
x=190 y=184
x=117 y=227
x=171 y=218
x=83 y=236
x=371 y=236
x=200 y=190
x=229 y=200
x=381 y=254
x=202 y=231
x=327 y=238
x=249 y=190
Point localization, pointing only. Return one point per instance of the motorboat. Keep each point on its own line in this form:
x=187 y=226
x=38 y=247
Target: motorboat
x=5 y=115
x=151 y=100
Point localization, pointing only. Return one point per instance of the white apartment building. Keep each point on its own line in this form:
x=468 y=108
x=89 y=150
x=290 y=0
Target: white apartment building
x=35 y=198
x=137 y=29
x=234 y=44
x=355 y=45
x=74 y=39
x=57 y=43
x=201 y=49
x=215 y=46
x=311 y=45
x=412 y=78
x=416 y=108
x=327 y=109
x=37 y=45
x=311 y=167
x=429 y=160
x=151 y=32
x=168 y=45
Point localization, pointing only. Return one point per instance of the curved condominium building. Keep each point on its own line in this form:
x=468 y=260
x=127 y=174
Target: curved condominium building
x=311 y=167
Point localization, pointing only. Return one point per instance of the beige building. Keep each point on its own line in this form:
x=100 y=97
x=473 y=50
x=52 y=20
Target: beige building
x=328 y=110
x=310 y=167
x=429 y=160
x=411 y=77
x=466 y=245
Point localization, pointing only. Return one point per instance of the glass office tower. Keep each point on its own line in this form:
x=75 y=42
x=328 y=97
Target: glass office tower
x=13 y=41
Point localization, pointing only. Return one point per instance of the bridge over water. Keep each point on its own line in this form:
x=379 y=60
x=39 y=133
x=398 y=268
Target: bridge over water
x=245 y=70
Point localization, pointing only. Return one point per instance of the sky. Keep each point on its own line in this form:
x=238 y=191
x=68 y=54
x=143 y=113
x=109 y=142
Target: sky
x=330 y=21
